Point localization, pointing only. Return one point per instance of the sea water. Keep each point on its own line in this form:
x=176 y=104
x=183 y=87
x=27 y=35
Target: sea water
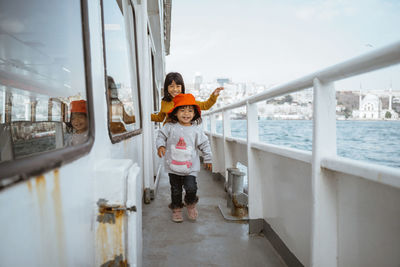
x=371 y=141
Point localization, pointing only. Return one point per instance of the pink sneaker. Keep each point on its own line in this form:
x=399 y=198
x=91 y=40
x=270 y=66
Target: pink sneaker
x=177 y=215
x=192 y=212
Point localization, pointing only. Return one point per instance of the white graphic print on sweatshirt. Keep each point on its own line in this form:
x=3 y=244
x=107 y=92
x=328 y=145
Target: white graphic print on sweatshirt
x=181 y=157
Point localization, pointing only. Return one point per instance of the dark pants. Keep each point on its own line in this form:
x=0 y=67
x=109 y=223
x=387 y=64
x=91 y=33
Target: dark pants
x=190 y=185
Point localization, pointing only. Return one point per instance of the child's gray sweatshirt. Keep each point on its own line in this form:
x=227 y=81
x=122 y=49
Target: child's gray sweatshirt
x=182 y=145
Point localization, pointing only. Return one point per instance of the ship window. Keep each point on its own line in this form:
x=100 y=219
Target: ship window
x=121 y=70
x=155 y=90
x=42 y=74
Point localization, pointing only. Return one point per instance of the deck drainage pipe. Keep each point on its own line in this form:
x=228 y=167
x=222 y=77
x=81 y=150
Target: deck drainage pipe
x=228 y=187
x=238 y=198
x=228 y=184
x=237 y=181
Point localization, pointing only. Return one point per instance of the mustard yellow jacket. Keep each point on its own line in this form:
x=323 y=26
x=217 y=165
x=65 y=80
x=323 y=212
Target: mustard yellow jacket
x=167 y=106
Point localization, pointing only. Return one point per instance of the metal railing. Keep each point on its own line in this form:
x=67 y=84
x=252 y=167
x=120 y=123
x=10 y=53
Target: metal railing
x=375 y=60
x=323 y=157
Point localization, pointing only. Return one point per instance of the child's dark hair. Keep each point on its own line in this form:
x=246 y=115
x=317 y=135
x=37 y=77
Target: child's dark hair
x=177 y=78
x=174 y=119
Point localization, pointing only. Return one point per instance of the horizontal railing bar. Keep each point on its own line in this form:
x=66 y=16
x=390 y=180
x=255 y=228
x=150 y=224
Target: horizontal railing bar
x=373 y=172
x=377 y=59
x=214 y=134
x=236 y=140
x=370 y=171
x=287 y=152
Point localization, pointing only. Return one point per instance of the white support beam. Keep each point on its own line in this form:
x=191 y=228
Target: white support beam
x=213 y=144
x=253 y=171
x=324 y=233
x=226 y=130
x=213 y=123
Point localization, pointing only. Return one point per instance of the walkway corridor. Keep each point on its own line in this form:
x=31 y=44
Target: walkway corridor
x=210 y=241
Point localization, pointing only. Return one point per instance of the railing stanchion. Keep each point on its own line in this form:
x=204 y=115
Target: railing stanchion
x=324 y=232
x=226 y=123
x=253 y=171
x=213 y=144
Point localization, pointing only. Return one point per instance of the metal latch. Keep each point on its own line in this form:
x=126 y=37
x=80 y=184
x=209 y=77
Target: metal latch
x=109 y=208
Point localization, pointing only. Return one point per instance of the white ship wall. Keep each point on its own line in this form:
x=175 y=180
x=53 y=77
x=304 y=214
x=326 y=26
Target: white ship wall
x=50 y=220
x=368 y=222
x=368 y=212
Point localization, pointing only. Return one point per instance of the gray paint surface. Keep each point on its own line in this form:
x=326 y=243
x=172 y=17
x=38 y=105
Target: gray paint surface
x=210 y=241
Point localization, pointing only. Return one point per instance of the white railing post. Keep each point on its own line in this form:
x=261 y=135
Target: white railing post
x=226 y=120
x=324 y=233
x=253 y=174
x=213 y=144
x=226 y=130
x=213 y=124
x=205 y=122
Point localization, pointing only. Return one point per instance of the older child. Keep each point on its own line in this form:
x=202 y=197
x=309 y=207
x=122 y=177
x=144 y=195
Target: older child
x=180 y=141
x=173 y=86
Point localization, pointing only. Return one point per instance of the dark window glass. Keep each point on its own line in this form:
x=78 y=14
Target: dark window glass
x=42 y=73
x=121 y=64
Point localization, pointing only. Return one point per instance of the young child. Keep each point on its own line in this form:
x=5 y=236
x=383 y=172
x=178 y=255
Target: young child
x=173 y=86
x=78 y=125
x=180 y=141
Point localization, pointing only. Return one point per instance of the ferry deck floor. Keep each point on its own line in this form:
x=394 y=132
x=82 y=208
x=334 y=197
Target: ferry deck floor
x=210 y=241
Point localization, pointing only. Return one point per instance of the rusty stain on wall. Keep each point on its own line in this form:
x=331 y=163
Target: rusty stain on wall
x=118 y=261
x=119 y=231
x=102 y=241
x=108 y=212
x=41 y=193
x=29 y=184
x=110 y=234
x=40 y=185
x=57 y=205
x=110 y=240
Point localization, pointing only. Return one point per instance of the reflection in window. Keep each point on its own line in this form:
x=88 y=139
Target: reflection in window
x=41 y=73
x=123 y=110
x=77 y=127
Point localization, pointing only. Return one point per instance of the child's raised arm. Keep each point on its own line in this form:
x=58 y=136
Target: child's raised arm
x=211 y=100
x=217 y=91
x=165 y=107
x=159 y=117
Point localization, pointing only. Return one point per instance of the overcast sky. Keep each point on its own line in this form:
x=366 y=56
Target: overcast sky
x=270 y=42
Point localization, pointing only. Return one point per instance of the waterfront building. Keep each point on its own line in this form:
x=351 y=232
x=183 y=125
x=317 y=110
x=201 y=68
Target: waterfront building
x=370 y=108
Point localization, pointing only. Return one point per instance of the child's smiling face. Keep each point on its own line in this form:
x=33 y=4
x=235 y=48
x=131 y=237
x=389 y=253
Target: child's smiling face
x=79 y=122
x=185 y=115
x=174 y=89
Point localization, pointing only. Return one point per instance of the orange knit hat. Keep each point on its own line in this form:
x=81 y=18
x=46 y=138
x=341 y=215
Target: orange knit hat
x=78 y=106
x=185 y=100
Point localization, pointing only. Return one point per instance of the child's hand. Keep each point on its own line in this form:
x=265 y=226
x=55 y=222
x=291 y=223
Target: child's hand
x=161 y=151
x=216 y=91
x=208 y=166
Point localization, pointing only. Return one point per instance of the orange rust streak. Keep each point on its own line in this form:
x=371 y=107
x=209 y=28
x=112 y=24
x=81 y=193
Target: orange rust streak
x=119 y=231
x=109 y=237
x=41 y=191
x=29 y=184
x=57 y=205
x=102 y=241
x=41 y=198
